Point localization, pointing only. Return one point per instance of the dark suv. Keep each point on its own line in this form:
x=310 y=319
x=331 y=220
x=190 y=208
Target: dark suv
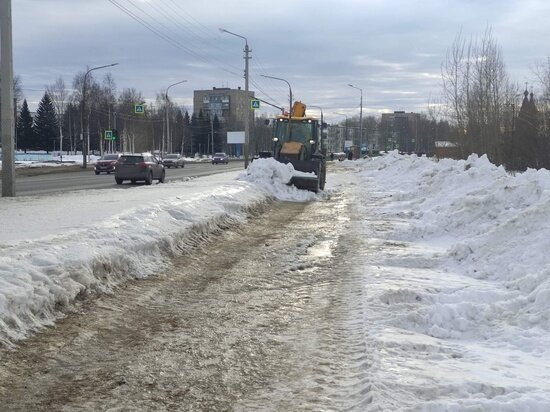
x=106 y=163
x=139 y=166
x=220 y=158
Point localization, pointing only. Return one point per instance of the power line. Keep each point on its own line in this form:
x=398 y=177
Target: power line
x=191 y=31
x=161 y=28
x=161 y=32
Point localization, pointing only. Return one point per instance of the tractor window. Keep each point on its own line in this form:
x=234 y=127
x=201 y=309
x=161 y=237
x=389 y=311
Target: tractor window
x=301 y=131
x=281 y=130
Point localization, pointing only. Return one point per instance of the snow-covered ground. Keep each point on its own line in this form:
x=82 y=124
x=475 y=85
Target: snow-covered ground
x=458 y=299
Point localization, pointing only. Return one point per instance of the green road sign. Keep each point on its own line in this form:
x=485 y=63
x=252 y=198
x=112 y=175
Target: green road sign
x=254 y=104
x=109 y=135
x=139 y=108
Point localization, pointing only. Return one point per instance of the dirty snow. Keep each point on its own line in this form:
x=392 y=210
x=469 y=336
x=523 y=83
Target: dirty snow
x=458 y=309
x=459 y=297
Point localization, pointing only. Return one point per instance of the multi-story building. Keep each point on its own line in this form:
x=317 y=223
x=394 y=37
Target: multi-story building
x=399 y=130
x=230 y=105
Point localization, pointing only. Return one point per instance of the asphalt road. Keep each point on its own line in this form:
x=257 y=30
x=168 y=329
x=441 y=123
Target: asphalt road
x=86 y=179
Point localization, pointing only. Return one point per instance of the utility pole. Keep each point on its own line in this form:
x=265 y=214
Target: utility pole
x=7 y=115
x=247 y=110
x=117 y=136
x=247 y=57
x=212 y=132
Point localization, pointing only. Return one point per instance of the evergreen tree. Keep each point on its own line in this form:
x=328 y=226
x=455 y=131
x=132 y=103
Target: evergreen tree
x=45 y=124
x=527 y=145
x=204 y=131
x=25 y=131
x=218 y=144
x=177 y=132
x=195 y=130
x=187 y=134
x=200 y=129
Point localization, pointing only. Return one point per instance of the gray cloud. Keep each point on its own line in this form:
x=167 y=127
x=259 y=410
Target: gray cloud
x=393 y=50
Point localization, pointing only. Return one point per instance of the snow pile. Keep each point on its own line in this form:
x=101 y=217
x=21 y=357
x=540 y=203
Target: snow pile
x=462 y=280
x=45 y=273
x=274 y=176
x=495 y=225
x=56 y=248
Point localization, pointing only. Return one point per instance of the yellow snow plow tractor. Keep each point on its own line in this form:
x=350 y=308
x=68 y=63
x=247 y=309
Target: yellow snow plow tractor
x=296 y=140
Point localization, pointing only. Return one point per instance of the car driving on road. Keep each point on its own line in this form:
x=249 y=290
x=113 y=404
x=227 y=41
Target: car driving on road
x=220 y=158
x=139 y=167
x=173 y=160
x=106 y=163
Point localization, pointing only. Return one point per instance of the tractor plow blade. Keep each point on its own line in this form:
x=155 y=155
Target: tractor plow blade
x=305 y=183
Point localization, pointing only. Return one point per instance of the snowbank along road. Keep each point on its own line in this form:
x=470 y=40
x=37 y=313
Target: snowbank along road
x=262 y=316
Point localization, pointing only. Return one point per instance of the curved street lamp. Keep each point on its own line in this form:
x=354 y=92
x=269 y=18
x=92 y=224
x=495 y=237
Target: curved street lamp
x=360 y=120
x=167 y=119
x=86 y=144
x=247 y=109
x=290 y=106
x=289 y=88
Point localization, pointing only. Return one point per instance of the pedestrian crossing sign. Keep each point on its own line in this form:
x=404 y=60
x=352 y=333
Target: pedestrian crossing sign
x=254 y=104
x=109 y=135
x=139 y=109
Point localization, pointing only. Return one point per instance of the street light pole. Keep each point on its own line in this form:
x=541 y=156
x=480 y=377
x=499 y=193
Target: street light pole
x=247 y=109
x=361 y=121
x=86 y=144
x=167 y=118
x=290 y=92
x=290 y=100
x=7 y=114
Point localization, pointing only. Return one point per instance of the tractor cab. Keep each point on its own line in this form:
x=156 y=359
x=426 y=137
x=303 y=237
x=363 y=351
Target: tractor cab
x=296 y=138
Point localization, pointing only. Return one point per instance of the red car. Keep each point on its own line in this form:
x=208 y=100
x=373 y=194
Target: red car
x=106 y=163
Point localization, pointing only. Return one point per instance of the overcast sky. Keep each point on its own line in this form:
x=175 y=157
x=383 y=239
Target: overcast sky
x=393 y=50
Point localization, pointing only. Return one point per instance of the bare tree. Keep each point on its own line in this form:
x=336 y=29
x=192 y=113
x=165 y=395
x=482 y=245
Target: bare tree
x=475 y=85
x=131 y=125
x=58 y=94
x=542 y=73
x=17 y=91
x=453 y=76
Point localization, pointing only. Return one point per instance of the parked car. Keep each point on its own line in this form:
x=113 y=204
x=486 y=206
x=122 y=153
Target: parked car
x=220 y=158
x=106 y=163
x=173 y=160
x=139 y=166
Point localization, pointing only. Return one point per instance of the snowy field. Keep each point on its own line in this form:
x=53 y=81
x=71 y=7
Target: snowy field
x=458 y=315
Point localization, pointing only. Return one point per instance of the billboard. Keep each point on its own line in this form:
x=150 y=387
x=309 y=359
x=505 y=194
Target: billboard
x=235 y=137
